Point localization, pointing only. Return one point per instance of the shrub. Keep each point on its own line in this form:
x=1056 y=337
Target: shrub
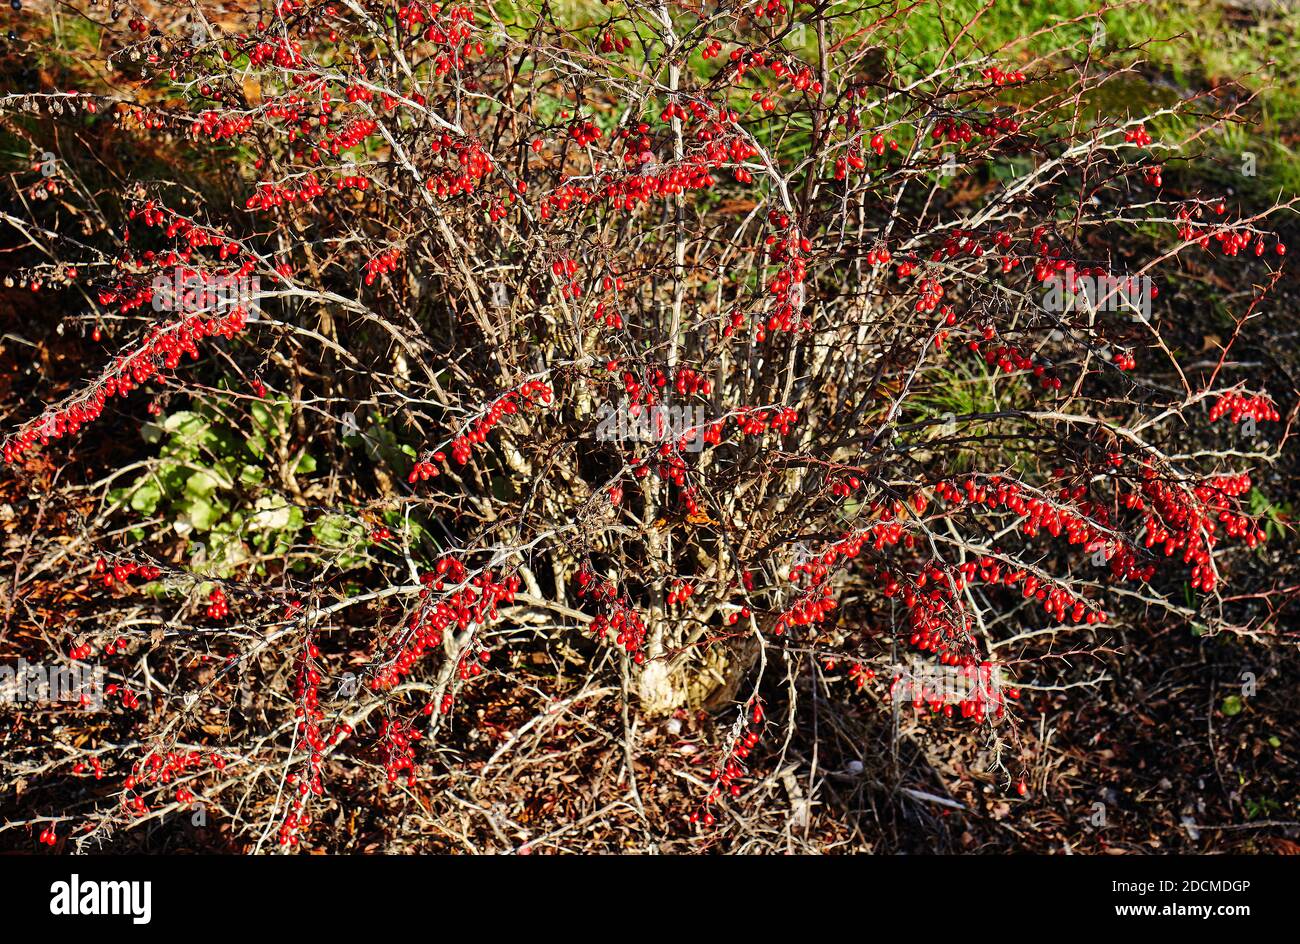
x=705 y=352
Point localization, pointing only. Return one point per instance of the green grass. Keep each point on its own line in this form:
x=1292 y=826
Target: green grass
x=1194 y=46
x=1189 y=46
x=966 y=387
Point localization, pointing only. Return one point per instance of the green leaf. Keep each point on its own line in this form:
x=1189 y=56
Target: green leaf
x=201 y=484
x=270 y=417
x=227 y=553
x=252 y=475
x=262 y=418
x=331 y=530
x=256 y=444
x=306 y=464
x=146 y=496
x=202 y=513
x=340 y=533
x=1232 y=705
x=273 y=514
x=179 y=450
x=183 y=421
x=173 y=477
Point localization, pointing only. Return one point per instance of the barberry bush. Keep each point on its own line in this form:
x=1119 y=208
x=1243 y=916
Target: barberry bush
x=437 y=398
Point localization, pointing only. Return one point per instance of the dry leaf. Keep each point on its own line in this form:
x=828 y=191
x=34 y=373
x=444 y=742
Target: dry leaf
x=252 y=89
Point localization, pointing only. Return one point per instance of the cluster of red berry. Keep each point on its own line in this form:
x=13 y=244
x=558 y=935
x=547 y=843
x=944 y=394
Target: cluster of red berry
x=1238 y=406
x=619 y=616
x=160 y=351
x=271 y=195
x=384 y=262
x=681 y=592
x=159 y=769
x=398 y=739
x=308 y=736
x=531 y=393
x=1008 y=358
x=998 y=77
x=1231 y=241
x=472 y=603
x=468 y=164
x=729 y=775
x=96 y=765
x=118 y=574
x=1183 y=520
x=218 y=606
